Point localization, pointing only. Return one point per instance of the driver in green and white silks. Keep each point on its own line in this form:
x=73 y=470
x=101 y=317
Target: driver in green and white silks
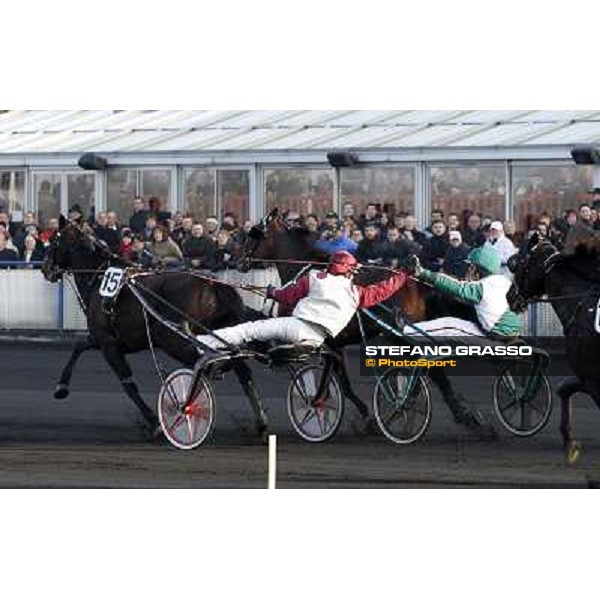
x=485 y=289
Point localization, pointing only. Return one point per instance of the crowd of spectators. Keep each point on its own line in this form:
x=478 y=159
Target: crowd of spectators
x=152 y=236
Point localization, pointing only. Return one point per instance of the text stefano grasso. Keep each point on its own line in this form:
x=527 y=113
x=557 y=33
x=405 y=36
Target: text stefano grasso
x=462 y=350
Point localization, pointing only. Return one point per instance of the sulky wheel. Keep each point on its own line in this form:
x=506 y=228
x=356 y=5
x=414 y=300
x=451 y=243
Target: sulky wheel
x=315 y=403
x=522 y=398
x=186 y=426
x=402 y=405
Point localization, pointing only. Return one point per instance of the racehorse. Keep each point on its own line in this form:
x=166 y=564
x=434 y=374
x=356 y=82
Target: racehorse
x=292 y=248
x=121 y=328
x=571 y=281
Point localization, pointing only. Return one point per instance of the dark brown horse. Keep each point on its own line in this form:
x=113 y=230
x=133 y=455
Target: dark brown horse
x=571 y=279
x=272 y=240
x=120 y=329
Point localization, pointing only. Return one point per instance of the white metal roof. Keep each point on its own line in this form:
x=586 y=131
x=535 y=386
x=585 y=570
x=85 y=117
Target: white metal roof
x=147 y=131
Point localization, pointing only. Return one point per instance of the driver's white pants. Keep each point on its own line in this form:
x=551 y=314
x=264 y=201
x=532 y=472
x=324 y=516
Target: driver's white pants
x=284 y=329
x=444 y=326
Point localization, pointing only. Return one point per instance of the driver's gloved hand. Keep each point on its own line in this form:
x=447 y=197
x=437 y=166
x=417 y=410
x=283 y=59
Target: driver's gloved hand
x=270 y=291
x=413 y=264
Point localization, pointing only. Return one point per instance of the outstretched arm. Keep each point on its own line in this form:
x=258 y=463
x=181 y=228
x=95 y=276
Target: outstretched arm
x=370 y=295
x=290 y=294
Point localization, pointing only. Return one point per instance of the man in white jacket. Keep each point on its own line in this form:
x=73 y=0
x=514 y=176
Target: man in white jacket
x=323 y=304
x=502 y=245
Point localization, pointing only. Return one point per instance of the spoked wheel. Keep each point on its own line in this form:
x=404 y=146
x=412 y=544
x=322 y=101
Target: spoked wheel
x=522 y=399
x=315 y=406
x=402 y=405
x=186 y=427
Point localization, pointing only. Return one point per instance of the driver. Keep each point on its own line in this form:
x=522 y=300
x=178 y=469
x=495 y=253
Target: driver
x=324 y=303
x=485 y=289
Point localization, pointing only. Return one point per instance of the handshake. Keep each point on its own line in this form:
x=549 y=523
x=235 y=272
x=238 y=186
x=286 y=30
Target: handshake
x=413 y=265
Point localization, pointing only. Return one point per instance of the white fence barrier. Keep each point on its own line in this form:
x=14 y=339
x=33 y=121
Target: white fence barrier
x=28 y=301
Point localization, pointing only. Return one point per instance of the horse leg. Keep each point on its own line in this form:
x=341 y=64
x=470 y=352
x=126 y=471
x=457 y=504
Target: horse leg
x=244 y=375
x=62 y=387
x=566 y=390
x=463 y=414
x=341 y=370
x=116 y=359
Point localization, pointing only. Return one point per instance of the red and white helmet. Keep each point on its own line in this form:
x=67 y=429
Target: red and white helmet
x=342 y=263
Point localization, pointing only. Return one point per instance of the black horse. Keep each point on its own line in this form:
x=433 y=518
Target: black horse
x=120 y=328
x=293 y=247
x=571 y=281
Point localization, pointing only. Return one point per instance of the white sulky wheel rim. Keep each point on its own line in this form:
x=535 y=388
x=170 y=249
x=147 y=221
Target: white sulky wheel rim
x=189 y=430
x=314 y=419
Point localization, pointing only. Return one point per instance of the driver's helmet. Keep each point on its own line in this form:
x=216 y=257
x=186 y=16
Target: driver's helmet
x=342 y=263
x=486 y=259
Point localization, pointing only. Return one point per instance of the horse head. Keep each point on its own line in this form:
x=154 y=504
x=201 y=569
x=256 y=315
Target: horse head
x=530 y=269
x=260 y=242
x=71 y=247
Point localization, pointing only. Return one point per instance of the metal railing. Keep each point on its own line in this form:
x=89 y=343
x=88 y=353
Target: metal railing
x=28 y=301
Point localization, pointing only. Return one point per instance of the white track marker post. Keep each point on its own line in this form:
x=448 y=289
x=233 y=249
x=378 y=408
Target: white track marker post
x=272 y=462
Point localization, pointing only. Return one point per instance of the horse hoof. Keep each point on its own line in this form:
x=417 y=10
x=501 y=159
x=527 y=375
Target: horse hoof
x=61 y=391
x=369 y=425
x=573 y=453
x=262 y=430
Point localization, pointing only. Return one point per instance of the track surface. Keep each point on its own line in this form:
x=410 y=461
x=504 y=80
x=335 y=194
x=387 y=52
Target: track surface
x=92 y=438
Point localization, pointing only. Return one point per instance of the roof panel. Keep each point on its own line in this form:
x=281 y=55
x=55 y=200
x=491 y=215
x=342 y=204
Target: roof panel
x=499 y=135
x=436 y=135
x=492 y=116
x=368 y=137
x=578 y=133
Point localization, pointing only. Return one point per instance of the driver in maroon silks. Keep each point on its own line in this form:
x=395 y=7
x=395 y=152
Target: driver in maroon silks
x=323 y=304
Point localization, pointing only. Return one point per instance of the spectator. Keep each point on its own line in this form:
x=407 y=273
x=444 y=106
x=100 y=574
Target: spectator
x=334 y=240
x=162 y=216
x=436 y=215
x=510 y=231
x=51 y=229
x=151 y=224
x=398 y=221
x=224 y=251
x=368 y=249
x=410 y=227
x=453 y=222
x=7 y=255
x=199 y=249
x=435 y=247
x=503 y=246
x=75 y=214
x=101 y=220
x=348 y=210
x=22 y=230
x=331 y=223
x=371 y=217
x=164 y=248
x=33 y=250
x=474 y=236
x=571 y=217
x=126 y=246
x=230 y=223
x=456 y=255
x=110 y=233
x=357 y=236
x=395 y=248
x=585 y=215
x=312 y=223
x=212 y=228
x=140 y=253
x=183 y=233
x=137 y=221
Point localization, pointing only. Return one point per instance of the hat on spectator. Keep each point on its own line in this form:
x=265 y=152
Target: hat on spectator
x=126 y=231
x=497 y=225
x=331 y=214
x=212 y=220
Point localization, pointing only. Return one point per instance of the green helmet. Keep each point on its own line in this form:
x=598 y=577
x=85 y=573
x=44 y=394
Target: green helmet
x=486 y=259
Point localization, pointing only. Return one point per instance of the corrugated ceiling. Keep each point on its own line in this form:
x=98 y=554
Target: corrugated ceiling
x=75 y=131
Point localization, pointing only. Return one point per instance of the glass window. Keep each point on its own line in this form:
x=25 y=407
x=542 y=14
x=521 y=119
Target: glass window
x=12 y=192
x=303 y=190
x=465 y=189
x=157 y=183
x=121 y=190
x=393 y=186
x=47 y=193
x=81 y=189
x=200 y=200
x=550 y=189
x=233 y=192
